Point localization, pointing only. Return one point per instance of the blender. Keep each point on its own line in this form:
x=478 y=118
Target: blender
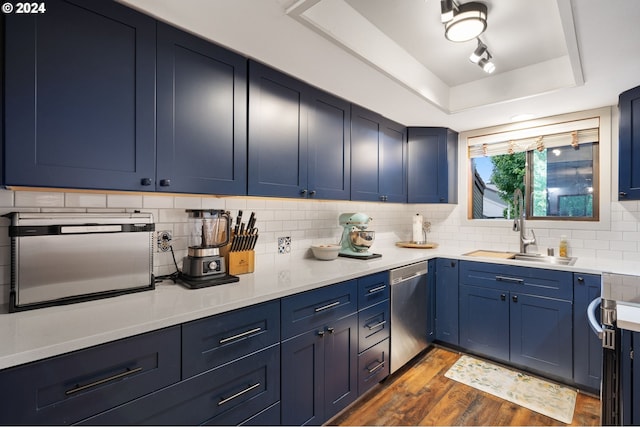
x=209 y=231
x=356 y=239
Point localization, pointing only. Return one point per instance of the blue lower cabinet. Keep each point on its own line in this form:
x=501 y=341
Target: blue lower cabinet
x=484 y=321
x=69 y=388
x=268 y=417
x=373 y=366
x=228 y=395
x=319 y=372
x=374 y=325
x=630 y=378
x=446 y=310
x=587 y=347
x=541 y=334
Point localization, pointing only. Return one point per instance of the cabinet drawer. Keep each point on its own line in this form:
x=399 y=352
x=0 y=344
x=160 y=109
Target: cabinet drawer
x=216 y=340
x=373 y=289
x=526 y=280
x=268 y=417
x=227 y=395
x=68 y=388
x=373 y=325
x=373 y=366
x=308 y=310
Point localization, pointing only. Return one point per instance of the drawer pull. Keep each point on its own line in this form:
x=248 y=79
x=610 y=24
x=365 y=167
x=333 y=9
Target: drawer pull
x=378 y=289
x=80 y=388
x=243 y=334
x=328 y=306
x=377 y=325
x=375 y=368
x=509 y=279
x=238 y=394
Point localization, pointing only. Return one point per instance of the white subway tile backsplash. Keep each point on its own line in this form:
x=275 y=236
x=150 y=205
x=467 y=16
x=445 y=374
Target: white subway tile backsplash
x=187 y=202
x=159 y=202
x=214 y=203
x=85 y=200
x=6 y=198
x=124 y=201
x=38 y=199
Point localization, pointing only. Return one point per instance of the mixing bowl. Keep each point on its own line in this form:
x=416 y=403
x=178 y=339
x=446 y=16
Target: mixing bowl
x=361 y=240
x=325 y=252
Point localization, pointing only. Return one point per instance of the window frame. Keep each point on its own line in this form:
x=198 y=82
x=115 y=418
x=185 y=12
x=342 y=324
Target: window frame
x=528 y=185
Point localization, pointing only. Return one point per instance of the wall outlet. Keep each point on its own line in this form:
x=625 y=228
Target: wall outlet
x=284 y=245
x=164 y=241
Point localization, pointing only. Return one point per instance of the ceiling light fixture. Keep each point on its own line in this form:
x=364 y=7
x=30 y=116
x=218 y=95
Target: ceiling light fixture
x=446 y=10
x=477 y=57
x=468 y=22
x=486 y=64
x=477 y=54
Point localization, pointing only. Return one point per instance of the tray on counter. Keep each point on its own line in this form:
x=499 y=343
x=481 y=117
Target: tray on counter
x=427 y=245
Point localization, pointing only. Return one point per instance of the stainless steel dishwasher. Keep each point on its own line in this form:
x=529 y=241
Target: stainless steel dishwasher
x=409 y=306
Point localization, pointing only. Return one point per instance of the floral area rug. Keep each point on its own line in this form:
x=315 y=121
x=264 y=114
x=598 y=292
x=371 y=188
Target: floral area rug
x=552 y=400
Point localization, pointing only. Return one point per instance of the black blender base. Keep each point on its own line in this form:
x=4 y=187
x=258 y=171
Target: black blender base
x=204 y=282
x=370 y=256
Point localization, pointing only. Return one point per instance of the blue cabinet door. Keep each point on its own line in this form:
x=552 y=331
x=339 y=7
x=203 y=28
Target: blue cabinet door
x=393 y=162
x=446 y=312
x=202 y=116
x=302 y=379
x=432 y=168
x=629 y=145
x=378 y=157
x=587 y=348
x=484 y=321
x=365 y=145
x=541 y=334
x=629 y=378
x=341 y=365
x=329 y=161
x=80 y=97
x=278 y=143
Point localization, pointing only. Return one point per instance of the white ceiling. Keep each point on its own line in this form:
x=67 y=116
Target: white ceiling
x=552 y=56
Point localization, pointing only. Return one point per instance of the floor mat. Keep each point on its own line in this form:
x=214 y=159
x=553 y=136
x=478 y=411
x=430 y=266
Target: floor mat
x=550 y=399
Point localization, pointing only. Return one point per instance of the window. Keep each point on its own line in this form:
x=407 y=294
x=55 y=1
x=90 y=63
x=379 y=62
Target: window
x=557 y=172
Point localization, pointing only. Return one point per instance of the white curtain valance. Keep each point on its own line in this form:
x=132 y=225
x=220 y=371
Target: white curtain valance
x=542 y=137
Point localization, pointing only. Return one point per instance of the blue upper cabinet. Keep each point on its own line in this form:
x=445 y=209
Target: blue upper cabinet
x=433 y=172
x=278 y=147
x=629 y=140
x=202 y=116
x=379 y=157
x=80 y=97
x=329 y=162
x=299 y=141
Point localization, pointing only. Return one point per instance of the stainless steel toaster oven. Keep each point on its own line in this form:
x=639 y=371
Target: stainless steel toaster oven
x=61 y=258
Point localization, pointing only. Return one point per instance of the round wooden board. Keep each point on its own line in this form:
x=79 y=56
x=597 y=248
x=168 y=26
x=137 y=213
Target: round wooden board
x=417 y=245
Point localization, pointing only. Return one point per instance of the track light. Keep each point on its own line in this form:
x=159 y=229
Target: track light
x=486 y=64
x=477 y=54
x=468 y=22
x=446 y=10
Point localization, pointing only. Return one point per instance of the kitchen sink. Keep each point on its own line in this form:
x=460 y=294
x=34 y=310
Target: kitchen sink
x=545 y=259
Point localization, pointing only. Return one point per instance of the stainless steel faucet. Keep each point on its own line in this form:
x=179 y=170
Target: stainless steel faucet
x=519 y=216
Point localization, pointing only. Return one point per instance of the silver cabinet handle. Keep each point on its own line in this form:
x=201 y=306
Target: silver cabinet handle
x=378 y=289
x=377 y=325
x=509 y=279
x=328 y=306
x=79 y=388
x=375 y=368
x=238 y=394
x=243 y=334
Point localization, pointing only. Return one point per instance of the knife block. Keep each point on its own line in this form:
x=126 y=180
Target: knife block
x=239 y=262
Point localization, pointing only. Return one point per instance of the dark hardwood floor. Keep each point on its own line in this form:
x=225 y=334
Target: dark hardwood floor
x=420 y=394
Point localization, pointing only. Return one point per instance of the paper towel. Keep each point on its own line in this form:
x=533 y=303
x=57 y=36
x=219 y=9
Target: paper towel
x=417 y=229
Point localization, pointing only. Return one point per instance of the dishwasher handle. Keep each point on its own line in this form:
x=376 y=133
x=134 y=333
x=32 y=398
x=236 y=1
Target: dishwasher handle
x=596 y=327
x=409 y=272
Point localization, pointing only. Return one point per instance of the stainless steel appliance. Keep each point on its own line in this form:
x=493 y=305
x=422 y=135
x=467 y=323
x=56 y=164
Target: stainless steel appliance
x=204 y=266
x=409 y=313
x=616 y=289
x=60 y=258
x=356 y=239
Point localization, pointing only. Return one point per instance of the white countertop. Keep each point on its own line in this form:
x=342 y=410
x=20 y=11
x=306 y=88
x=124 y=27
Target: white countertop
x=36 y=334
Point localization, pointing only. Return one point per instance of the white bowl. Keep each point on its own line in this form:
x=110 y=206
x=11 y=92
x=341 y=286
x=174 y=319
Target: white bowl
x=325 y=252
